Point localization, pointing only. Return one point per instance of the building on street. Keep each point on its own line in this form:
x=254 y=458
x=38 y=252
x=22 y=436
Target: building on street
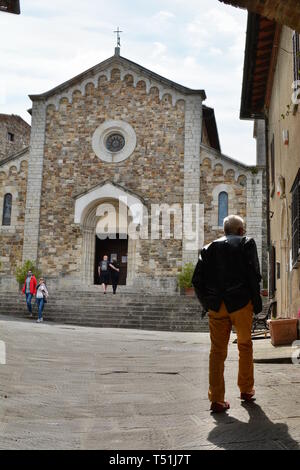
x=119 y=132
x=269 y=96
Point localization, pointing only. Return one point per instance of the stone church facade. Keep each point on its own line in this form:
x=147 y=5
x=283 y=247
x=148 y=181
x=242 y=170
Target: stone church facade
x=119 y=132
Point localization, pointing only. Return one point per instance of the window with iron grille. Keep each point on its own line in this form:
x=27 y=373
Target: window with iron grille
x=296 y=56
x=296 y=219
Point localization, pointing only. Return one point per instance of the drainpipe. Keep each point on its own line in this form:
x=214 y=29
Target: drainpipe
x=269 y=247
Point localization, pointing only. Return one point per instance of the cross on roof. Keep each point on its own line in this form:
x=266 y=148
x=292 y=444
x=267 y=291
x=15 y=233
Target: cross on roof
x=118 y=36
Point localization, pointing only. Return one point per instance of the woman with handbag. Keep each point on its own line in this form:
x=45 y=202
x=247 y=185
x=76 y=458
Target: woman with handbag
x=41 y=298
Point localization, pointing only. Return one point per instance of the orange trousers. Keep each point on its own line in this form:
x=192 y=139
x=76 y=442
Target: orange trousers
x=220 y=324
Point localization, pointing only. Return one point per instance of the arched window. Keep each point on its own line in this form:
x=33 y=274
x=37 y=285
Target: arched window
x=7 y=205
x=222 y=207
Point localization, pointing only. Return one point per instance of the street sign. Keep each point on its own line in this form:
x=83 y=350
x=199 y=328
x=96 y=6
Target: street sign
x=10 y=6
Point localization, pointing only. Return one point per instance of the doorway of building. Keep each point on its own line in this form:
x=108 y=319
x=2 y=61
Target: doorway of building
x=115 y=249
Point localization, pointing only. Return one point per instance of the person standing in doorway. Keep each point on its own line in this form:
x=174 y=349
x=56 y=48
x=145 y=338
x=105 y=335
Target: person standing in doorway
x=29 y=289
x=114 y=275
x=103 y=271
x=226 y=281
x=41 y=298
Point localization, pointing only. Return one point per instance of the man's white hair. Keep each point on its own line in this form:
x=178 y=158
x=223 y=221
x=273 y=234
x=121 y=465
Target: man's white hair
x=232 y=225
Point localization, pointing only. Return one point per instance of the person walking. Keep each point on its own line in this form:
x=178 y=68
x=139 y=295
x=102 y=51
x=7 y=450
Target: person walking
x=41 y=298
x=114 y=275
x=103 y=271
x=29 y=289
x=226 y=281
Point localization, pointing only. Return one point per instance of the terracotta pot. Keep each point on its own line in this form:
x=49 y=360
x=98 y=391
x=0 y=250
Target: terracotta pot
x=283 y=330
x=190 y=291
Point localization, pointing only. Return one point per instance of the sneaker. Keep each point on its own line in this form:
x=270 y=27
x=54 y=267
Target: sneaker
x=40 y=320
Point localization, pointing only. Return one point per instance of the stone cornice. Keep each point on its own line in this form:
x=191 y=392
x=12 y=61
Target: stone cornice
x=15 y=156
x=126 y=67
x=227 y=159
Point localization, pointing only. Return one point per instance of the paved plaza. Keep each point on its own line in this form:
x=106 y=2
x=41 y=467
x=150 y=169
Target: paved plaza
x=66 y=387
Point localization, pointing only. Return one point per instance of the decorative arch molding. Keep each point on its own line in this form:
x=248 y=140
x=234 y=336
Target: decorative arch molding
x=18 y=165
x=124 y=72
x=227 y=163
x=84 y=203
x=87 y=215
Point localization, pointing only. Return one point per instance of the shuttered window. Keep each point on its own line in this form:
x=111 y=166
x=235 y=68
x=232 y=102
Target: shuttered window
x=296 y=219
x=296 y=56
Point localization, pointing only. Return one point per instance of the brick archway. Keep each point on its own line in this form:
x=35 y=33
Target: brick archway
x=87 y=215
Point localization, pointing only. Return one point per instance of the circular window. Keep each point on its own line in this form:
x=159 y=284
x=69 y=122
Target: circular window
x=115 y=142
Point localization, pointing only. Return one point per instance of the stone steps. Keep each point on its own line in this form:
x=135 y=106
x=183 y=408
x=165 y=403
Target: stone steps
x=121 y=311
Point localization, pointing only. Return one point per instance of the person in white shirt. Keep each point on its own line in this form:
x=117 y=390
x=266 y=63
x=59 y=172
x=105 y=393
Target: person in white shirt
x=41 y=298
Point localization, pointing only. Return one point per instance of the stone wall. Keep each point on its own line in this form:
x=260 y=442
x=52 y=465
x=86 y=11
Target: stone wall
x=256 y=215
x=154 y=172
x=21 y=131
x=286 y=166
x=13 y=180
x=217 y=175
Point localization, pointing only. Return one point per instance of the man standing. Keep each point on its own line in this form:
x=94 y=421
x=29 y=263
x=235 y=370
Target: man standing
x=29 y=290
x=226 y=281
x=103 y=271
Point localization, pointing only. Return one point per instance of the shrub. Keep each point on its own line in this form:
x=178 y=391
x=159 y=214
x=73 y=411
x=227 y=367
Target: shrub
x=185 y=276
x=21 y=271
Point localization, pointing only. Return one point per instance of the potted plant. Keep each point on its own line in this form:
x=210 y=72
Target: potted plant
x=185 y=279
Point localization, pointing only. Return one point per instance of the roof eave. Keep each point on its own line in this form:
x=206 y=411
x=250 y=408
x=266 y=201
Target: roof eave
x=257 y=33
x=252 y=28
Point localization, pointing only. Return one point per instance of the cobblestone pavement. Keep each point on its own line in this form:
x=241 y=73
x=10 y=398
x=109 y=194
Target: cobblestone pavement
x=67 y=387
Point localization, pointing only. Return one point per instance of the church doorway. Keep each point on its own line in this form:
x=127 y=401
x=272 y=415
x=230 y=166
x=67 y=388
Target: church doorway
x=116 y=249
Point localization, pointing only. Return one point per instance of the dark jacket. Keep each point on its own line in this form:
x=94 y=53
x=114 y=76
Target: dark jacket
x=228 y=270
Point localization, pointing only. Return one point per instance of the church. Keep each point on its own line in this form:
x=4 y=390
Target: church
x=116 y=145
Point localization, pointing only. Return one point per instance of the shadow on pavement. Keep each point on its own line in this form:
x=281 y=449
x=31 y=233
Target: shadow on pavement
x=259 y=433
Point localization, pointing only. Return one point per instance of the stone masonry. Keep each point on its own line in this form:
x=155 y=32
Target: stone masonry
x=34 y=183
x=13 y=180
x=15 y=128
x=193 y=130
x=172 y=163
x=154 y=172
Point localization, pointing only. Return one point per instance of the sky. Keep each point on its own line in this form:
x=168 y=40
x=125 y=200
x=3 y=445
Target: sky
x=197 y=43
